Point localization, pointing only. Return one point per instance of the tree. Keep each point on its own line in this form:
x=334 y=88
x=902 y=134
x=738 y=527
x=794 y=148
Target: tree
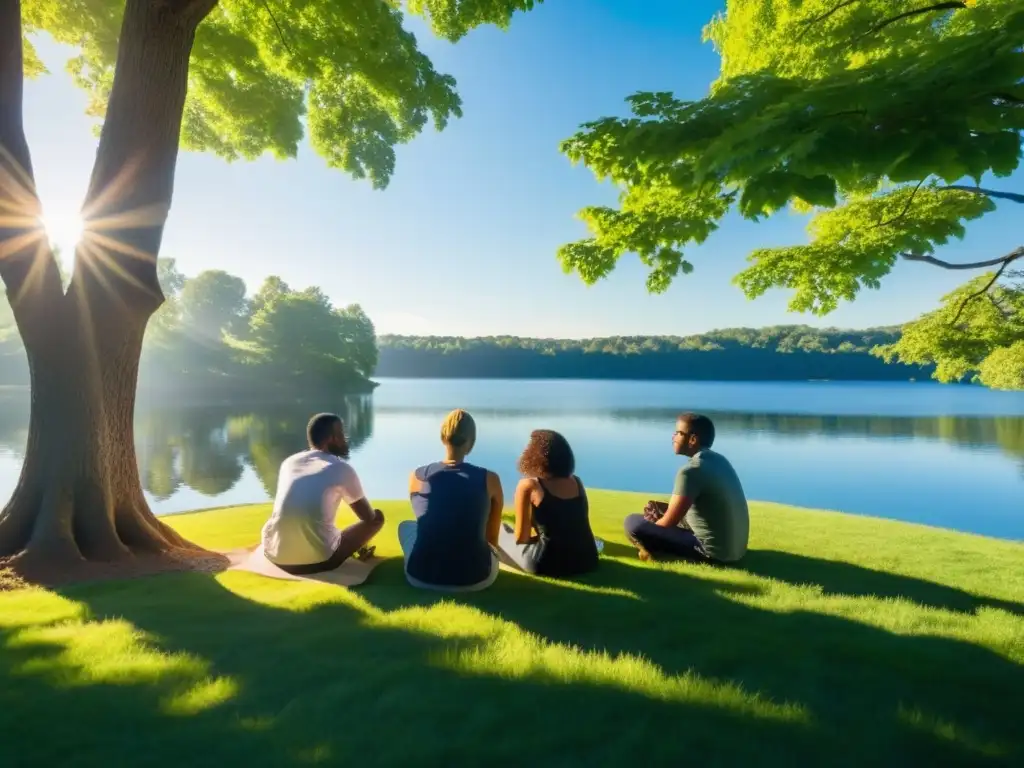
x=162 y=329
x=359 y=339
x=878 y=117
x=299 y=335
x=273 y=287
x=235 y=78
x=212 y=303
x=978 y=331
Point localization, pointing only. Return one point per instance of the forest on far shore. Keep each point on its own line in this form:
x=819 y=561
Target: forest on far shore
x=775 y=353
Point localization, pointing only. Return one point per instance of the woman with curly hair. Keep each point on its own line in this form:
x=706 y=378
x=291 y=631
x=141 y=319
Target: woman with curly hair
x=552 y=534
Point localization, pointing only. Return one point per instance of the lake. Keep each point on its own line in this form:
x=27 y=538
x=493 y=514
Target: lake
x=949 y=456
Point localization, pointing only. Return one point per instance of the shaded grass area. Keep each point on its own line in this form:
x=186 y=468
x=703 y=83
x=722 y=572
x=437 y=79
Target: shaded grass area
x=840 y=640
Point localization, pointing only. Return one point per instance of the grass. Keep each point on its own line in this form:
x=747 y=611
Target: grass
x=841 y=640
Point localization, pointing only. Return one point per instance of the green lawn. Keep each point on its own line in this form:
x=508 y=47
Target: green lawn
x=840 y=641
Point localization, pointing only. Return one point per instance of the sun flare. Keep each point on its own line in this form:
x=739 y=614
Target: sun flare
x=64 y=230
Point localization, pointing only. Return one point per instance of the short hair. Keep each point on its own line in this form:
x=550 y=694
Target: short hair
x=458 y=429
x=320 y=428
x=547 y=454
x=701 y=426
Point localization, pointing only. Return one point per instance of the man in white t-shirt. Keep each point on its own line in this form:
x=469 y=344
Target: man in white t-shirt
x=300 y=537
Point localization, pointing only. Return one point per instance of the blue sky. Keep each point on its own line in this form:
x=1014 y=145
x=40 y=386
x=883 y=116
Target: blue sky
x=463 y=241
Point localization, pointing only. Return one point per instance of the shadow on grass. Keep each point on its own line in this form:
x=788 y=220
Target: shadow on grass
x=322 y=685
x=337 y=682
x=839 y=578
x=875 y=696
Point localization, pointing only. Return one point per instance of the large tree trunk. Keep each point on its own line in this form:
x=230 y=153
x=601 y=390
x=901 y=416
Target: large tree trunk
x=79 y=499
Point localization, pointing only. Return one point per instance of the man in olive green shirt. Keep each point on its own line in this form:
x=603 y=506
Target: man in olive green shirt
x=707 y=517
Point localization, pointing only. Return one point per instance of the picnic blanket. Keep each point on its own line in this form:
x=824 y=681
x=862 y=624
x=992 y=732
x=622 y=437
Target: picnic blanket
x=351 y=573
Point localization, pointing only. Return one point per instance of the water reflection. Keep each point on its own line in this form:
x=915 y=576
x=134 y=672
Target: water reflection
x=892 y=466
x=1002 y=433
x=205 y=449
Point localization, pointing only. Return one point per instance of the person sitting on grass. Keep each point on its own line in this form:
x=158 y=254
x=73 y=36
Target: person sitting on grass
x=300 y=537
x=707 y=517
x=450 y=546
x=551 y=501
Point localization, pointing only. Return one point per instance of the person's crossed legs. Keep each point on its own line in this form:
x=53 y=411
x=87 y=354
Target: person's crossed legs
x=522 y=556
x=352 y=540
x=653 y=539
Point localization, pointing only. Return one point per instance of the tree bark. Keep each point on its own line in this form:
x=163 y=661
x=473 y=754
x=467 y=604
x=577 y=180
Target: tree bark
x=79 y=497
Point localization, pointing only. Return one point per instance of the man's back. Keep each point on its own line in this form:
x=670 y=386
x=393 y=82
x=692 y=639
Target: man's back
x=719 y=515
x=310 y=486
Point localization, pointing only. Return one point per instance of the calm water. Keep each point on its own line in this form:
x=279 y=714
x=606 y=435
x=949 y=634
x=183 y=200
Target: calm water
x=945 y=456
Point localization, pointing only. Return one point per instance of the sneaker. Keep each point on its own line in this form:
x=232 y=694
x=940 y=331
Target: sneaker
x=365 y=553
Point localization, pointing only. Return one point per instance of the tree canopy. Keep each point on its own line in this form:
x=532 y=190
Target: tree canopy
x=350 y=70
x=977 y=332
x=878 y=118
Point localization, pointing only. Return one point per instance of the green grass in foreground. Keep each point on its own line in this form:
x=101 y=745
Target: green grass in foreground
x=841 y=640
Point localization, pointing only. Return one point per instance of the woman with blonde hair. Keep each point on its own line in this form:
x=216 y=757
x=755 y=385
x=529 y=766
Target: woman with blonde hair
x=452 y=544
x=552 y=535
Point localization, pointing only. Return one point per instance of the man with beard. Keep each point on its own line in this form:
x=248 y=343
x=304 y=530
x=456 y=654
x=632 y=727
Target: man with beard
x=707 y=517
x=300 y=537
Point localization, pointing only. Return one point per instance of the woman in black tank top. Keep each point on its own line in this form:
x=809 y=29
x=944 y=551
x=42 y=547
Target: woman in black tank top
x=552 y=534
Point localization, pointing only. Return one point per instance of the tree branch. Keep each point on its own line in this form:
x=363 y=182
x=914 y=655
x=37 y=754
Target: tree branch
x=13 y=144
x=988 y=286
x=906 y=208
x=190 y=11
x=280 y=32
x=1002 y=260
x=808 y=23
x=948 y=6
x=24 y=251
x=1011 y=196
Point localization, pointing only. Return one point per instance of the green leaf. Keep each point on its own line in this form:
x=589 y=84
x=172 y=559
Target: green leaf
x=257 y=69
x=852 y=111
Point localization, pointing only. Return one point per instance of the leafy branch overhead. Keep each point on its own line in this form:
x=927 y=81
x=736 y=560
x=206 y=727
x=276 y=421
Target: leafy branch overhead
x=977 y=332
x=259 y=67
x=879 y=117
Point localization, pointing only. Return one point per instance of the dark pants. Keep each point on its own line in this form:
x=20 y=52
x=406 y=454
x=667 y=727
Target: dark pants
x=656 y=539
x=352 y=539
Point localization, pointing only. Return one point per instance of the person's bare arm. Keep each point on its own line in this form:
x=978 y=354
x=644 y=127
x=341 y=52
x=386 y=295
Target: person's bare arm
x=685 y=492
x=524 y=510
x=678 y=506
x=365 y=512
x=352 y=492
x=415 y=484
x=497 y=504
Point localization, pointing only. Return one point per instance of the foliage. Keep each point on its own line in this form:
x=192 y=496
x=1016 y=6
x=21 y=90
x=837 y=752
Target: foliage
x=777 y=353
x=978 y=330
x=803 y=115
x=840 y=639
x=349 y=71
x=776 y=338
x=1004 y=368
x=359 y=337
x=208 y=332
x=211 y=304
x=299 y=333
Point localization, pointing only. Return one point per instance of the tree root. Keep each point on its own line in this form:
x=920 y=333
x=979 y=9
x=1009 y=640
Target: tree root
x=32 y=568
x=69 y=542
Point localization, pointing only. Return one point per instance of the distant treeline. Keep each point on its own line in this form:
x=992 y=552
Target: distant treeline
x=777 y=353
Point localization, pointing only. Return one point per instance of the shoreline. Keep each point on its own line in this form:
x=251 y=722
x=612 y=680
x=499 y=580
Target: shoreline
x=771 y=506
